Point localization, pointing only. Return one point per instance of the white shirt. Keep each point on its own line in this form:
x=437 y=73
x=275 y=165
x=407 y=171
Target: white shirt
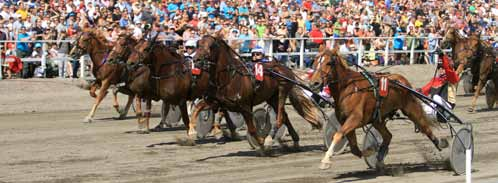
x=343 y=50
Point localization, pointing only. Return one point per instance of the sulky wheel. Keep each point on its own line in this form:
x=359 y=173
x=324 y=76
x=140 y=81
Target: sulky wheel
x=262 y=125
x=273 y=120
x=174 y=115
x=332 y=126
x=467 y=83
x=372 y=139
x=461 y=141
x=237 y=119
x=204 y=124
x=490 y=94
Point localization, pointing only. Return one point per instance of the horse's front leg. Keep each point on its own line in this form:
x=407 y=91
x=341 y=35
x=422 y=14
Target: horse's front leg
x=102 y=93
x=144 y=121
x=352 y=122
x=479 y=87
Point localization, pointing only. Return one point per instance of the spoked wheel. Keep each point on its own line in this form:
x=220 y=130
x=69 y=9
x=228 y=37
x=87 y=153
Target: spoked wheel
x=262 y=124
x=467 y=83
x=462 y=141
x=372 y=139
x=264 y=121
x=331 y=127
x=273 y=120
x=204 y=124
x=490 y=94
x=237 y=119
x=174 y=115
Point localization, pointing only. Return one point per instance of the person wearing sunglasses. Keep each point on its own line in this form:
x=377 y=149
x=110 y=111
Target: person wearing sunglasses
x=190 y=46
x=258 y=55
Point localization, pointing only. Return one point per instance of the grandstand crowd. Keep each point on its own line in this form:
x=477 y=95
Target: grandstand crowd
x=412 y=23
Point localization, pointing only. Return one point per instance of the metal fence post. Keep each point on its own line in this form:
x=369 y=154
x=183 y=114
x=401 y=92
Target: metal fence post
x=360 y=52
x=386 y=53
x=82 y=67
x=44 y=60
x=301 y=54
x=270 y=48
x=412 y=53
x=1 y=69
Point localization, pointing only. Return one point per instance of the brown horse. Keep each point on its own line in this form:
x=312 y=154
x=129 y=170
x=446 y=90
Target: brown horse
x=481 y=58
x=93 y=42
x=231 y=86
x=459 y=47
x=356 y=106
x=158 y=73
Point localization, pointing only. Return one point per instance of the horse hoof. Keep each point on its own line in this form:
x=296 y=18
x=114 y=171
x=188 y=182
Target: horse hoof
x=87 y=120
x=185 y=141
x=470 y=109
x=324 y=166
x=296 y=147
x=380 y=167
x=443 y=143
x=368 y=152
x=143 y=132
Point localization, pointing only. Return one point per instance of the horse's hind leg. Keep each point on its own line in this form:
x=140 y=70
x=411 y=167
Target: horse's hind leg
x=233 y=129
x=292 y=132
x=384 y=147
x=278 y=103
x=115 y=99
x=184 y=112
x=415 y=113
x=146 y=117
x=124 y=112
x=164 y=113
x=351 y=123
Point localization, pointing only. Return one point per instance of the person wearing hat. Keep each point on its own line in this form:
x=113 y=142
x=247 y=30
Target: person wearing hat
x=258 y=55
x=190 y=46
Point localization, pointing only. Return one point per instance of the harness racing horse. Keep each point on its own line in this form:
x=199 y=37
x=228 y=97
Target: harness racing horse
x=357 y=104
x=481 y=58
x=231 y=86
x=92 y=41
x=459 y=47
x=157 y=73
x=120 y=52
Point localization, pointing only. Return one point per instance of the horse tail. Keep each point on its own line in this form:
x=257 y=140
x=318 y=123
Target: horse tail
x=306 y=107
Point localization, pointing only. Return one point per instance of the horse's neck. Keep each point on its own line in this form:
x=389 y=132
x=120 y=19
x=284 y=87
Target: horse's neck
x=97 y=53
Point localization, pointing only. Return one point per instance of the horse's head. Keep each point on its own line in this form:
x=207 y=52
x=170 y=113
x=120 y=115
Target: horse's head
x=449 y=38
x=466 y=50
x=122 y=47
x=205 y=53
x=330 y=63
x=140 y=52
x=86 y=41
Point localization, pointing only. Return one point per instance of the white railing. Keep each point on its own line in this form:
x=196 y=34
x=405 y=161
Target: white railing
x=268 y=45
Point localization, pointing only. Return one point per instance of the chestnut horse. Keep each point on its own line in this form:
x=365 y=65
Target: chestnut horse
x=231 y=86
x=356 y=105
x=92 y=41
x=480 y=57
x=156 y=73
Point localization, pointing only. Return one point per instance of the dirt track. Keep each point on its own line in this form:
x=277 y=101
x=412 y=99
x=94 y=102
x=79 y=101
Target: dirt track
x=51 y=144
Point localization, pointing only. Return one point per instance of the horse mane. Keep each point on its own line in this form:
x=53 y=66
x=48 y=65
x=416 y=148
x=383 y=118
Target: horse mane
x=97 y=34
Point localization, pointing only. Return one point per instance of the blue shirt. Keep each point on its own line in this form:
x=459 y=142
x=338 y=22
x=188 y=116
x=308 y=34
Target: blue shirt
x=227 y=10
x=123 y=22
x=307 y=25
x=23 y=46
x=243 y=10
x=172 y=7
x=398 y=42
x=245 y=47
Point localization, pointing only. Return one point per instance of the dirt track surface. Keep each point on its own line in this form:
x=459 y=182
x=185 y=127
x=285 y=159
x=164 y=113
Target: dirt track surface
x=42 y=139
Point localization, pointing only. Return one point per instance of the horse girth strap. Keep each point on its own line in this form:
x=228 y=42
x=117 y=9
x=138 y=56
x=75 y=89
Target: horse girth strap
x=377 y=115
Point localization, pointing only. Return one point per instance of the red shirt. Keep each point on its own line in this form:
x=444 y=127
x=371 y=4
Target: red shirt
x=307 y=5
x=449 y=76
x=316 y=33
